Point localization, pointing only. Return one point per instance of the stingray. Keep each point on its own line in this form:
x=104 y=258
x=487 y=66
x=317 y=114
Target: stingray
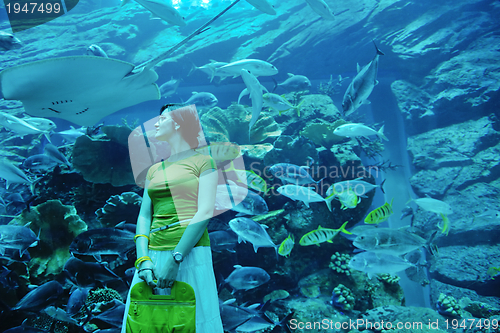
x=85 y=89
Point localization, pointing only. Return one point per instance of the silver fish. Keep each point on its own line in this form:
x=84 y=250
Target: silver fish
x=96 y=50
x=246 y=278
x=17 y=237
x=250 y=231
x=9 y=42
x=372 y=263
x=295 y=83
x=395 y=242
x=361 y=86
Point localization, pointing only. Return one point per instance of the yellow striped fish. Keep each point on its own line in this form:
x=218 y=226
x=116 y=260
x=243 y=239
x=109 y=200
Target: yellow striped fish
x=380 y=214
x=322 y=235
x=286 y=246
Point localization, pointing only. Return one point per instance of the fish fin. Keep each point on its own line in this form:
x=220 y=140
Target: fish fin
x=366 y=102
x=358 y=68
x=381 y=134
x=376 y=82
x=306 y=203
x=290 y=75
x=255 y=248
x=342 y=228
x=382 y=186
x=378 y=51
x=97 y=257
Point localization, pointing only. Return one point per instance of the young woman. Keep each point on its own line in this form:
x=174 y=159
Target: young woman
x=180 y=189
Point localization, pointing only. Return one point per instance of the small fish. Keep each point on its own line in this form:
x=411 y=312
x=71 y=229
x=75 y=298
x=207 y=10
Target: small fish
x=427 y=113
x=279 y=103
x=20 y=126
x=255 y=66
x=59 y=314
x=488 y=214
x=295 y=83
x=169 y=88
x=362 y=85
x=72 y=134
x=493 y=272
x=263 y=5
x=439 y=207
x=252 y=204
x=380 y=214
x=13 y=174
x=43 y=124
x=322 y=235
x=54 y=153
x=223 y=240
x=39 y=162
x=255 y=89
x=292 y=174
x=221 y=152
x=162 y=10
x=304 y=194
x=210 y=68
x=321 y=8
x=372 y=263
x=9 y=42
x=202 y=100
x=103 y=241
x=246 y=278
x=286 y=246
x=357 y=130
x=249 y=178
x=96 y=50
x=348 y=200
x=250 y=231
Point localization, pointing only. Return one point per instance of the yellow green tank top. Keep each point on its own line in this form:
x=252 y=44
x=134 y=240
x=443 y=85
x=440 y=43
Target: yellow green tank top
x=173 y=190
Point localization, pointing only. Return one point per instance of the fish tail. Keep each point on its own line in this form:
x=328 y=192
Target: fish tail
x=299 y=106
x=446 y=224
x=342 y=228
x=381 y=134
x=382 y=186
x=275 y=84
x=378 y=50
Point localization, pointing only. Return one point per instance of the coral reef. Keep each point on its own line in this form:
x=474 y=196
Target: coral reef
x=114 y=162
x=231 y=125
x=389 y=279
x=321 y=132
x=120 y=208
x=315 y=284
x=448 y=306
x=340 y=263
x=299 y=151
x=58 y=225
x=101 y=296
x=343 y=298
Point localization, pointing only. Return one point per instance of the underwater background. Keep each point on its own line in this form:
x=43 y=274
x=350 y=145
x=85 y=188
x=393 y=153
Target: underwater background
x=435 y=92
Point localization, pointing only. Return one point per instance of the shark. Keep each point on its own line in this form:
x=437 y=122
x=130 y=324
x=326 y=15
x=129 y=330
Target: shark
x=84 y=89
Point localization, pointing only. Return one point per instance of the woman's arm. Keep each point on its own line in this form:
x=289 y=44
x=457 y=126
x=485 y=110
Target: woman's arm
x=142 y=243
x=206 y=202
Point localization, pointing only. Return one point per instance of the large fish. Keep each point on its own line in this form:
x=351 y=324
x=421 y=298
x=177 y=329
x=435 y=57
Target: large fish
x=292 y=174
x=395 y=242
x=202 y=100
x=245 y=278
x=357 y=130
x=169 y=88
x=252 y=204
x=40 y=298
x=373 y=263
x=250 y=231
x=17 y=237
x=255 y=66
x=223 y=240
x=103 y=241
x=88 y=274
x=361 y=86
x=295 y=83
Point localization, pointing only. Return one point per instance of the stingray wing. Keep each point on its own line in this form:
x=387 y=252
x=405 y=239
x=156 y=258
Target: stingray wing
x=80 y=89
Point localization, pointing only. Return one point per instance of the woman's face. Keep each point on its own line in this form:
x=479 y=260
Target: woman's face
x=165 y=126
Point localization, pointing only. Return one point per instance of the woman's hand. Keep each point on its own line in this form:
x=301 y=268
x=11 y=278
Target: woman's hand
x=146 y=273
x=166 y=274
